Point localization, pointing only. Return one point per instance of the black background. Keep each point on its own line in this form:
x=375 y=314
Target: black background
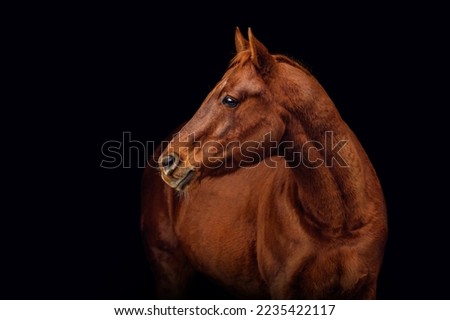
x=84 y=75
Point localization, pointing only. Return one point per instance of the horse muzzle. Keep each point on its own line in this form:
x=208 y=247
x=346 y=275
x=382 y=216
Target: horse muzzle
x=176 y=173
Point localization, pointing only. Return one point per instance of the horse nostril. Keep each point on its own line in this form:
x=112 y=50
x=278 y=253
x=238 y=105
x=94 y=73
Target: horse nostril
x=169 y=161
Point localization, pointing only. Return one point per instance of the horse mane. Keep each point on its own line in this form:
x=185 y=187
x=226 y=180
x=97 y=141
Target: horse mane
x=242 y=57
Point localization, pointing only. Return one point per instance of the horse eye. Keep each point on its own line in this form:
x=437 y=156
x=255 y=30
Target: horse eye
x=230 y=102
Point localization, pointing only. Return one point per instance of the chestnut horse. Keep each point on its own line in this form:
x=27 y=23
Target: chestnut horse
x=256 y=198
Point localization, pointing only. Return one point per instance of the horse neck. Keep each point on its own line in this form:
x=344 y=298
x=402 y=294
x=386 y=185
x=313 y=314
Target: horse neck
x=332 y=195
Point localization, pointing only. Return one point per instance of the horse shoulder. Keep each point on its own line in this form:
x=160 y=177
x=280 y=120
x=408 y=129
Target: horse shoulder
x=294 y=261
x=170 y=265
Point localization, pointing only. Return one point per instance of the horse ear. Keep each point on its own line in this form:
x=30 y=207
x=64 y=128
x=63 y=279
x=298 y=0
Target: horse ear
x=260 y=56
x=239 y=41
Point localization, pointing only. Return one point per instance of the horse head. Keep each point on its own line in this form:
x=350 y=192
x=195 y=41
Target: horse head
x=244 y=118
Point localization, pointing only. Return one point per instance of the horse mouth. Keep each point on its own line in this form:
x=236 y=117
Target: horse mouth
x=184 y=182
x=178 y=181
